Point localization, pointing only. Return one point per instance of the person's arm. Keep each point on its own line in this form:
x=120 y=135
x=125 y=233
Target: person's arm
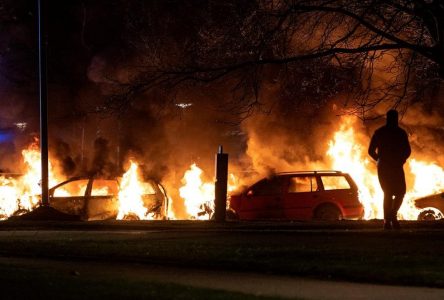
x=372 y=148
x=406 y=147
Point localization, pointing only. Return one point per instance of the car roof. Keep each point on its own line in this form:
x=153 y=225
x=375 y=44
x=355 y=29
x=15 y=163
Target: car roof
x=322 y=172
x=3 y=174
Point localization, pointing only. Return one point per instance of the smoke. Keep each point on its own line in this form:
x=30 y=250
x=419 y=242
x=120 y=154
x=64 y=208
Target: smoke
x=62 y=153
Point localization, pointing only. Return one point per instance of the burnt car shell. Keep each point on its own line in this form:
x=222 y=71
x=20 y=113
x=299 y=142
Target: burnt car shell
x=431 y=207
x=97 y=199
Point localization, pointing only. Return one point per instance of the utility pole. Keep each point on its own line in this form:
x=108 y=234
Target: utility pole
x=43 y=95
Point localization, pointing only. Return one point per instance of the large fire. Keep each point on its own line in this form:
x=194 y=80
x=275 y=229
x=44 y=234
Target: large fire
x=21 y=193
x=347 y=152
x=349 y=156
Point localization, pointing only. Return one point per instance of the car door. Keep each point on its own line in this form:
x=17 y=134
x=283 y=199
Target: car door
x=301 y=195
x=69 y=196
x=263 y=200
x=102 y=200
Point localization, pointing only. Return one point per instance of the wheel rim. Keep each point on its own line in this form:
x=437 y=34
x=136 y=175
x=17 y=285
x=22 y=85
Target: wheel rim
x=430 y=214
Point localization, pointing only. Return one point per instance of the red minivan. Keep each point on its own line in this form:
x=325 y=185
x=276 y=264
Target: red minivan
x=320 y=195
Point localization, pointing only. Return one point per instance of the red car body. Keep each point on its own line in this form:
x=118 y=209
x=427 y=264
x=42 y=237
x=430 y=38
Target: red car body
x=323 y=195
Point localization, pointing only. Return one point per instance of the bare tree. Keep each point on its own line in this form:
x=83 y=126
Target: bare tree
x=374 y=50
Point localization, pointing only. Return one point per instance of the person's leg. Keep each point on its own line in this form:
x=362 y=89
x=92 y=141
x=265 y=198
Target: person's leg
x=399 y=192
x=388 y=208
x=397 y=202
x=384 y=181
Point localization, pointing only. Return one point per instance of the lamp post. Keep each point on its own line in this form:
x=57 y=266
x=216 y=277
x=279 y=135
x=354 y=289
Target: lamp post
x=43 y=96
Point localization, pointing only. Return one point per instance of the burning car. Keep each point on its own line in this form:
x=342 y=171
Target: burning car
x=319 y=195
x=100 y=199
x=431 y=207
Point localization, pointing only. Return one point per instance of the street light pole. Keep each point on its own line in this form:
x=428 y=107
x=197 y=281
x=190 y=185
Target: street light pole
x=43 y=95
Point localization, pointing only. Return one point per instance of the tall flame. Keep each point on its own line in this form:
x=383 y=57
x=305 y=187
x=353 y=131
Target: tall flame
x=348 y=153
x=349 y=156
x=130 y=195
x=198 y=196
x=22 y=193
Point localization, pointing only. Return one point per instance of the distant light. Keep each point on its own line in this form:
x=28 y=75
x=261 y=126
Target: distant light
x=21 y=125
x=184 y=105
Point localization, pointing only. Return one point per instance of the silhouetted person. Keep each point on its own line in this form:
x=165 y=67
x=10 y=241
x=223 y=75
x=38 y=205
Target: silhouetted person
x=390 y=148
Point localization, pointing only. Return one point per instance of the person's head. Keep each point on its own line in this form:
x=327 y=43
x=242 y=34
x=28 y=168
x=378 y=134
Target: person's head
x=392 y=118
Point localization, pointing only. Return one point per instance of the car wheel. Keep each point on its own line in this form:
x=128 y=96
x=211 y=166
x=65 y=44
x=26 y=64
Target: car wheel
x=430 y=214
x=328 y=213
x=131 y=217
x=20 y=212
x=230 y=214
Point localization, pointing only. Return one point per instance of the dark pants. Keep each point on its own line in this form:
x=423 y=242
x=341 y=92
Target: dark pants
x=392 y=182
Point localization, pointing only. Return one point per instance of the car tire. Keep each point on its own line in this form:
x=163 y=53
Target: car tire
x=327 y=213
x=230 y=214
x=131 y=217
x=430 y=214
x=20 y=212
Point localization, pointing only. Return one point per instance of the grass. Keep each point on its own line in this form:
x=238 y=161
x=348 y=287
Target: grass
x=45 y=284
x=409 y=257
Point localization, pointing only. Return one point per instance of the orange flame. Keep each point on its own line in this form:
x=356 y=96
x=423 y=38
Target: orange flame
x=22 y=193
x=131 y=192
x=196 y=194
x=348 y=154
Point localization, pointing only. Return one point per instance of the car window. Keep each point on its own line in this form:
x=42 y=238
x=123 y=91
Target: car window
x=75 y=188
x=335 y=182
x=302 y=184
x=102 y=187
x=268 y=187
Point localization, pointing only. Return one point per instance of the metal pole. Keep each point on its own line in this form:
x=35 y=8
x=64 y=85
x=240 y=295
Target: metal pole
x=220 y=202
x=43 y=94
